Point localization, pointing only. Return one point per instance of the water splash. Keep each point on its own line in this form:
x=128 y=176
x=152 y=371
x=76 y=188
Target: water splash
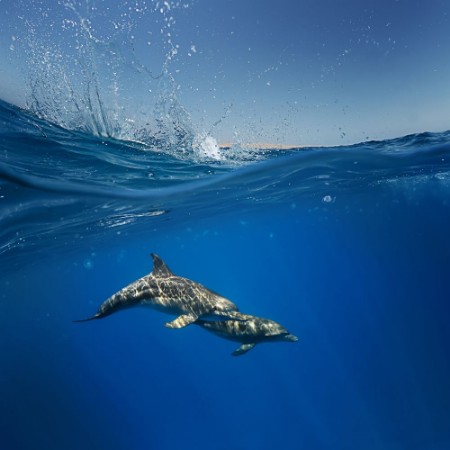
x=85 y=76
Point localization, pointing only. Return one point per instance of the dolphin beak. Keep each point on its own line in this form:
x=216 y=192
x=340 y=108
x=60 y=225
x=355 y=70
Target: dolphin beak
x=290 y=338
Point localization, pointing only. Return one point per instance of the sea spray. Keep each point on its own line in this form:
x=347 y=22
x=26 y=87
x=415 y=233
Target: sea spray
x=90 y=79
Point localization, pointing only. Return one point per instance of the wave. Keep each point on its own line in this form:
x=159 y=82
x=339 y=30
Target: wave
x=57 y=185
x=99 y=166
x=41 y=155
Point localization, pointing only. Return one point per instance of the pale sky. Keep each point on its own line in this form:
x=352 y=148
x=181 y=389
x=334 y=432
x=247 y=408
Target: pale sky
x=296 y=72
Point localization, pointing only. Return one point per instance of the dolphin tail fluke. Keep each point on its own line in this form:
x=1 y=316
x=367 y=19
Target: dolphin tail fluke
x=96 y=316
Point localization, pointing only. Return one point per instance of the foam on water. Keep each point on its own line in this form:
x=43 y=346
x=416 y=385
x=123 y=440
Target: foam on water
x=207 y=147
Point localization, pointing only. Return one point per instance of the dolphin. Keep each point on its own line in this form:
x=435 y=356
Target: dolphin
x=249 y=330
x=166 y=292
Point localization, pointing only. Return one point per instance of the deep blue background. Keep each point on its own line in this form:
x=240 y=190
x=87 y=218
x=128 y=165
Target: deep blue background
x=362 y=281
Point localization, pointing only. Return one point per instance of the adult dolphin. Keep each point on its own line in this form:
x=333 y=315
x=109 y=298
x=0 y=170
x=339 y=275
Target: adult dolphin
x=169 y=293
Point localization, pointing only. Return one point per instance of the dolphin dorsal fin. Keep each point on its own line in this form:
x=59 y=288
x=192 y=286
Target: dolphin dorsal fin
x=159 y=267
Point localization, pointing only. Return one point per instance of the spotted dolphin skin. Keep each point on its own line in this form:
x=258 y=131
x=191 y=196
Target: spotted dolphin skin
x=249 y=330
x=166 y=292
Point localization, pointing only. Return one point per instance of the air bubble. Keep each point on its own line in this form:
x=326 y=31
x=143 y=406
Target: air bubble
x=328 y=199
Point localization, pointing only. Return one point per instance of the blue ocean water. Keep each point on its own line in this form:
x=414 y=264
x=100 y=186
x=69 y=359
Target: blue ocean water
x=347 y=247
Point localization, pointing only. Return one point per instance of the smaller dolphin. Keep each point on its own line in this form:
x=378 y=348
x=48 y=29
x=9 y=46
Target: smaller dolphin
x=166 y=292
x=249 y=330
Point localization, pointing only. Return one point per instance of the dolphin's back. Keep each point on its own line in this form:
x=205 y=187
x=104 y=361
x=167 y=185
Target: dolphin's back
x=233 y=330
x=164 y=291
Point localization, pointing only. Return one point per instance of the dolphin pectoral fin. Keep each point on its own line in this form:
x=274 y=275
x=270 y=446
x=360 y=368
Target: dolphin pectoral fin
x=244 y=348
x=96 y=316
x=182 y=321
